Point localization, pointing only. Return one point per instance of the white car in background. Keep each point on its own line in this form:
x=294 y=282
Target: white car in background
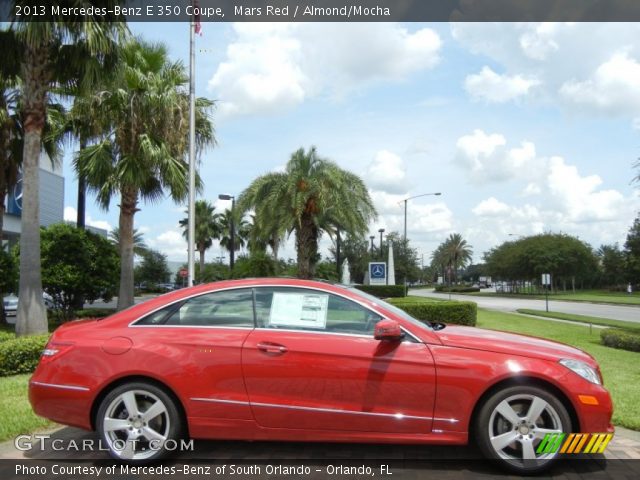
x=11 y=306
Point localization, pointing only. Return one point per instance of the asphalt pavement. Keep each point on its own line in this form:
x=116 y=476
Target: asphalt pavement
x=615 y=312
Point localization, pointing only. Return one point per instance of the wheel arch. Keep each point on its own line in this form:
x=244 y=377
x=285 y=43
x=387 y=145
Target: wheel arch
x=525 y=381
x=137 y=378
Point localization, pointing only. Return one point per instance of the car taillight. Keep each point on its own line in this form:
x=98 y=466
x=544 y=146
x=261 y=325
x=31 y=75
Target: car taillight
x=54 y=350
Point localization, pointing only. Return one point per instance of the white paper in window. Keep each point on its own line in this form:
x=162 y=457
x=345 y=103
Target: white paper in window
x=299 y=310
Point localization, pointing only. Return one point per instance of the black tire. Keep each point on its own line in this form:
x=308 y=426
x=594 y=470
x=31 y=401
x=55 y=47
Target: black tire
x=141 y=436
x=504 y=431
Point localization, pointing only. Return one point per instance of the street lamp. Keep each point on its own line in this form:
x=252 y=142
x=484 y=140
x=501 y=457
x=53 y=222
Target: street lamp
x=405 y=227
x=371 y=238
x=381 y=254
x=232 y=233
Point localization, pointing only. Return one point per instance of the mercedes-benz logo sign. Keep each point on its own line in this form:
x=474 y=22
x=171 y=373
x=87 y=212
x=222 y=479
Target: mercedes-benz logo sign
x=377 y=271
x=17 y=194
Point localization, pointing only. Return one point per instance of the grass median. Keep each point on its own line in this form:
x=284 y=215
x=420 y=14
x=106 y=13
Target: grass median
x=587 y=296
x=582 y=319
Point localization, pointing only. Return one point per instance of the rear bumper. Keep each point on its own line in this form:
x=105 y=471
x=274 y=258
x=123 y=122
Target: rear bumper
x=66 y=404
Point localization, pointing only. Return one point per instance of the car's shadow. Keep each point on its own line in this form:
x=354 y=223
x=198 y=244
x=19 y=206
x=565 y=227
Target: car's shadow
x=408 y=461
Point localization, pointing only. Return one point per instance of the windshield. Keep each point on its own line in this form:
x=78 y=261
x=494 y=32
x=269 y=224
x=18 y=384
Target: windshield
x=398 y=311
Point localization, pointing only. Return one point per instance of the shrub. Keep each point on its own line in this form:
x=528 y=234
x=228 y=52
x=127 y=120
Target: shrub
x=94 y=312
x=456 y=289
x=21 y=355
x=620 y=338
x=459 y=313
x=4 y=336
x=383 y=291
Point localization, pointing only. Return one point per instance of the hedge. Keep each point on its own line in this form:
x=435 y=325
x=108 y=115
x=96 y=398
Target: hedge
x=383 y=291
x=4 y=336
x=21 y=355
x=622 y=339
x=459 y=313
x=94 y=312
x=456 y=289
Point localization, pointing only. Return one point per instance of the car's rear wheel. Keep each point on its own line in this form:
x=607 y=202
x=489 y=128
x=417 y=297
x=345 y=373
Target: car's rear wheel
x=512 y=423
x=136 y=420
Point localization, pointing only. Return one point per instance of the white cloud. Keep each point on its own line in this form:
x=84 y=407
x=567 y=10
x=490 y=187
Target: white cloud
x=71 y=215
x=387 y=173
x=486 y=158
x=581 y=67
x=613 y=88
x=489 y=86
x=491 y=207
x=579 y=197
x=171 y=243
x=273 y=67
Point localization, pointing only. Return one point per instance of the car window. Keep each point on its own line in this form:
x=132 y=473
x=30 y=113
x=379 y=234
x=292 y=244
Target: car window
x=228 y=308
x=312 y=310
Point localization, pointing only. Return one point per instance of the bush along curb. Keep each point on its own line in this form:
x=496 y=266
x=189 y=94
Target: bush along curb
x=459 y=313
x=383 y=291
x=21 y=355
x=621 y=339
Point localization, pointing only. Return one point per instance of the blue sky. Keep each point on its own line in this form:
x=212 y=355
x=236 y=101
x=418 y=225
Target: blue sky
x=524 y=128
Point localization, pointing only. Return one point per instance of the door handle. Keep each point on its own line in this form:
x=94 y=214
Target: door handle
x=271 y=348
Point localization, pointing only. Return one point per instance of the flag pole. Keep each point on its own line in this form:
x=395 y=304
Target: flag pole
x=192 y=154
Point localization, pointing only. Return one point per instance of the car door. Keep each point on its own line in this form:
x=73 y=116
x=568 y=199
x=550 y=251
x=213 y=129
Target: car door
x=197 y=343
x=313 y=363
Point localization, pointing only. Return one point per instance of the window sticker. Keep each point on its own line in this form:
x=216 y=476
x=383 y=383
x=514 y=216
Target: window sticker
x=299 y=310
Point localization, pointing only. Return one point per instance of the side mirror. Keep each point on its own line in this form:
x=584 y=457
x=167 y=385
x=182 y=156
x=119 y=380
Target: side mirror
x=388 y=330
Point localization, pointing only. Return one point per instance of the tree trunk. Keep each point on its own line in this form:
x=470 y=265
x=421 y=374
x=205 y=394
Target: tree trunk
x=82 y=192
x=32 y=314
x=307 y=247
x=128 y=208
x=201 y=263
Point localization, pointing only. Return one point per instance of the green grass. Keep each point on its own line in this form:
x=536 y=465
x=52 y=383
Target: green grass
x=582 y=319
x=589 y=296
x=619 y=367
x=415 y=298
x=16 y=416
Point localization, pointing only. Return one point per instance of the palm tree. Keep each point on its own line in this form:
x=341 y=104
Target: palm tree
x=207 y=227
x=242 y=230
x=56 y=51
x=311 y=196
x=147 y=108
x=458 y=251
x=140 y=248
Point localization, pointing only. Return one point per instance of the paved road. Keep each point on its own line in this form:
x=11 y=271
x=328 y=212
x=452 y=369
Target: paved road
x=405 y=462
x=616 y=312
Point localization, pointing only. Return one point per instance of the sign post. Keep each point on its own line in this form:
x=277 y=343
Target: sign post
x=546 y=281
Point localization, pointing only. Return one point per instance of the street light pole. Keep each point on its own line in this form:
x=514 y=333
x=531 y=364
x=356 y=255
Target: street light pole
x=405 y=228
x=381 y=253
x=371 y=237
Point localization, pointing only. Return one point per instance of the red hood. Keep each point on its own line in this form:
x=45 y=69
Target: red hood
x=510 y=344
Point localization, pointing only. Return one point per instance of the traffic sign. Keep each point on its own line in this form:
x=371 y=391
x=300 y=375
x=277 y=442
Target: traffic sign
x=184 y=273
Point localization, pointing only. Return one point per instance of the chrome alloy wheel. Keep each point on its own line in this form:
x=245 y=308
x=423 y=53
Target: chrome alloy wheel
x=517 y=426
x=136 y=424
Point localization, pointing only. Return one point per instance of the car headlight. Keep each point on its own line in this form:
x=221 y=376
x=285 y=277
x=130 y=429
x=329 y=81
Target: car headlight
x=582 y=369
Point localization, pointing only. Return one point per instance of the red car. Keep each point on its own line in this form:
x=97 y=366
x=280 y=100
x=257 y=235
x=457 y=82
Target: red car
x=294 y=360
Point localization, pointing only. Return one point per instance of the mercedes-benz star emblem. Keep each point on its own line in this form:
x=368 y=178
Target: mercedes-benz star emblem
x=377 y=271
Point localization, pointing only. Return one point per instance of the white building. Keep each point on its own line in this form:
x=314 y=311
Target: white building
x=51 y=201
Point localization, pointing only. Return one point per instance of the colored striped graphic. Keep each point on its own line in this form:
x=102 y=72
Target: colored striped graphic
x=574 y=443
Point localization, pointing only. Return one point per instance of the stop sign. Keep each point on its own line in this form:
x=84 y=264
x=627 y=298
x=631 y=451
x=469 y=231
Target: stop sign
x=183 y=272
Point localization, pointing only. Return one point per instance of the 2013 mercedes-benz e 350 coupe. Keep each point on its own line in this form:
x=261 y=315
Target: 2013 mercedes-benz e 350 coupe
x=289 y=360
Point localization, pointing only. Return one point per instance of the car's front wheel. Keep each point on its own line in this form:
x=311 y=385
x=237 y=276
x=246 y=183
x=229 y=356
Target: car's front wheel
x=512 y=423
x=136 y=420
